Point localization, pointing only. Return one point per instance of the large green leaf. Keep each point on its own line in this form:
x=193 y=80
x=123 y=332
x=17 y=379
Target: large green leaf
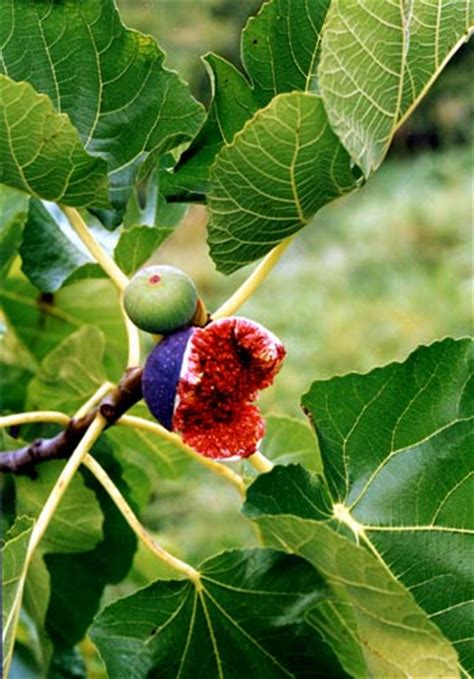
x=290 y=440
x=233 y=103
x=41 y=323
x=248 y=619
x=13 y=212
x=108 y=79
x=70 y=530
x=280 y=169
x=280 y=53
x=70 y=373
x=52 y=256
x=397 y=451
x=42 y=153
x=378 y=59
x=375 y=626
x=13 y=572
x=281 y=46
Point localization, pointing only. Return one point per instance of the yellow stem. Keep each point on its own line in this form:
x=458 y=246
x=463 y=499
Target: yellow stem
x=133 y=336
x=158 y=430
x=45 y=516
x=102 y=391
x=260 y=462
x=115 y=274
x=127 y=513
x=94 y=247
x=256 y=278
x=37 y=416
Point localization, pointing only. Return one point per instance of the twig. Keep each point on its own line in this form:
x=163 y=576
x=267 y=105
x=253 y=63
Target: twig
x=112 y=406
x=129 y=516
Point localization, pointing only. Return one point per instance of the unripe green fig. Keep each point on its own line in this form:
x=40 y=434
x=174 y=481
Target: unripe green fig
x=160 y=299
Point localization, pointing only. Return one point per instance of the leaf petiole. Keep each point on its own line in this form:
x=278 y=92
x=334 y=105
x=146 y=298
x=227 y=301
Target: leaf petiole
x=129 y=516
x=114 y=272
x=213 y=465
x=38 y=416
x=249 y=286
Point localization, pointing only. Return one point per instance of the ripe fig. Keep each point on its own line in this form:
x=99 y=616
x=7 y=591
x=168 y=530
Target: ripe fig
x=160 y=299
x=202 y=383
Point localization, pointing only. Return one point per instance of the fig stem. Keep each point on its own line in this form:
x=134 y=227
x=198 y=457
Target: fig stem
x=212 y=465
x=133 y=337
x=124 y=508
x=115 y=273
x=102 y=258
x=260 y=462
x=37 y=416
x=45 y=516
x=252 y=283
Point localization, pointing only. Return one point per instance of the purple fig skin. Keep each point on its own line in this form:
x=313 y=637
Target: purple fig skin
x=161 y=375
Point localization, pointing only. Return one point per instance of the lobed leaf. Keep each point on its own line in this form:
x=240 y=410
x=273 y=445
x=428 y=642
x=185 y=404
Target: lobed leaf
x=378 y=60
x=109 y=80
x=389 y=526
x=43 y=154
x=279 y=170
x=280 y=53
x=397 y=448
x=248 y=618
x=376 y=627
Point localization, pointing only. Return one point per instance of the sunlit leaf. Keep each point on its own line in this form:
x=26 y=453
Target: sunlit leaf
x=44 y=155
x=397 y=451
x=109 y=80
x=280 y=53
x=370 y=611
x=377 y=61
x=247 y=619
x=279 y=170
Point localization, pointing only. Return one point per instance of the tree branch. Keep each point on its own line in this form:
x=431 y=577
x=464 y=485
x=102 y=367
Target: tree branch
x=112 y=407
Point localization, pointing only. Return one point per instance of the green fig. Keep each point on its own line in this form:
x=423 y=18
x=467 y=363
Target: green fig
x=160 y=299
